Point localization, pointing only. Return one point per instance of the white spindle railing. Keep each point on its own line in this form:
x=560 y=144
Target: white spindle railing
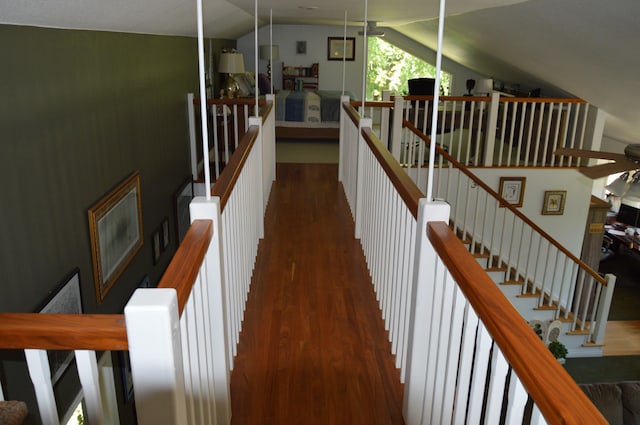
x=466 y=347
x=528 y=256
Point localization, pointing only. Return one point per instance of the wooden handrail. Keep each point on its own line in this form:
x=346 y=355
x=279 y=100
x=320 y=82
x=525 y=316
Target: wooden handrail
x=187 y=261
x=103 y=331
x=63 y=331
x=556 y=394
x=227 y=180
x=376 y=103
x=407 y=188
x=505 y=204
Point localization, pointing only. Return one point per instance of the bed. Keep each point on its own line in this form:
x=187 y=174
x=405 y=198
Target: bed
x=308 y=114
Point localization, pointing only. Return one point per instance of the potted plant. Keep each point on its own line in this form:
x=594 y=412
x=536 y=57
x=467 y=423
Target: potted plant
x=558 y=350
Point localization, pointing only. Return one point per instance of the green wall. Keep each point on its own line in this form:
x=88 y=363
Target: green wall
x=79 y=111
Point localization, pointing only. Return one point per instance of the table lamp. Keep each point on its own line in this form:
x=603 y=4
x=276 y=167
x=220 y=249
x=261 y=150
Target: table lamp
x=269 y=53
x=230 y=63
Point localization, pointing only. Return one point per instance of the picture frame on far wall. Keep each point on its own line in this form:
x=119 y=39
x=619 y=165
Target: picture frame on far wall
x=64 y=298
x=553 y=203
x=115 y=228
x=512 y=190
x=301 y=47
x=339 y=48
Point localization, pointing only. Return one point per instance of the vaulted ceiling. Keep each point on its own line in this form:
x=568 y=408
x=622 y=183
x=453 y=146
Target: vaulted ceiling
x=588 y=48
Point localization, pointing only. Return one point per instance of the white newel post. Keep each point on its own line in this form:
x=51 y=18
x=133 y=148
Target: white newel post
x=396 y=135
x=213 y=265
x=385 y=120
x=420 y=314
x=153 y=332
x=263 y=172
x=492 y=123
x=602 y=313
x=40 y=373
x=342 y=140
x=362 y=145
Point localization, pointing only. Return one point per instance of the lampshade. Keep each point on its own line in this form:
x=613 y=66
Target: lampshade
x=620 y=185
x=265 y=52
x=484 y=87
x=231 y=63
x=633 y=190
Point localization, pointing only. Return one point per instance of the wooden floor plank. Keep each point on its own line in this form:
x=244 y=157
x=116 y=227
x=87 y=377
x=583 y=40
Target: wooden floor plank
x=313 y=348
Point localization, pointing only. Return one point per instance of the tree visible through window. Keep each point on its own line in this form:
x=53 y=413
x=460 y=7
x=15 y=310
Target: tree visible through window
x=389 y=68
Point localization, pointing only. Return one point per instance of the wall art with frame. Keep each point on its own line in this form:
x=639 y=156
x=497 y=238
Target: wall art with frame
x=115 y=227
x=554 y=202
x=339 y=49
x=64 y=298
x=512 y=190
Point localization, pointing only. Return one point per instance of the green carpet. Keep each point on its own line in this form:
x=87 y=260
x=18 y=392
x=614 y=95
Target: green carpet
x=307 y=151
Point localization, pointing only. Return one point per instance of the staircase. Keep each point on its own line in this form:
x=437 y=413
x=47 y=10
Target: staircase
x=538 y=310
x=559 y=288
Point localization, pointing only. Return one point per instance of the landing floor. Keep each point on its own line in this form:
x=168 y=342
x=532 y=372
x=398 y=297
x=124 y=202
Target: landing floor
x=313 y=349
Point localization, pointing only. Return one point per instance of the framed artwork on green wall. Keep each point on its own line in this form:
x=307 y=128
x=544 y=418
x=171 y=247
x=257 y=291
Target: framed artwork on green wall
x=115 y=227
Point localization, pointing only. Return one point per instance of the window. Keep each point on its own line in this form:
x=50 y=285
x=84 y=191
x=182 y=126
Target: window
x=389 y=68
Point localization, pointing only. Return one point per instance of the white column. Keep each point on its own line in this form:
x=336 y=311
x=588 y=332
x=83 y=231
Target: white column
x=420 y=310
x=153 y=332
x=90 y=380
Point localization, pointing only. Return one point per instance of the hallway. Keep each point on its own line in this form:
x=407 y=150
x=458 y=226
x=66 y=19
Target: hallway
x=313 y=349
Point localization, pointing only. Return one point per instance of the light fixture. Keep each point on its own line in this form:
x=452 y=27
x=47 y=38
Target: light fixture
x=620 y=185
x=230 y=63
x=269 y=53
x=372 y=30
x=633 y=188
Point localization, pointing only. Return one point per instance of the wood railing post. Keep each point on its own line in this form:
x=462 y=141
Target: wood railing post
x=153 y=332
x=193 y=149
x=420 y=310
x=602 y=313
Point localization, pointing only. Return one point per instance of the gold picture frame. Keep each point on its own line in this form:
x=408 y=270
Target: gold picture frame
x=512 y=190
x=115 y=228
x=554 y=202
x=338 y=48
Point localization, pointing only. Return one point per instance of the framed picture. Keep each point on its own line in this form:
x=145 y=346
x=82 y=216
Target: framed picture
x=115 y=227
x=156 y=246
x=512 y=190
x=338 y=49
x=554 y=202
x=181 y=200
x=301 y=47
x=127 y=379
x=165 y=233
x=64 y=298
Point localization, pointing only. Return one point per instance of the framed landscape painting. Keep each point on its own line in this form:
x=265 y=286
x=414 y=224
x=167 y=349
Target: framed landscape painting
x=115 y=228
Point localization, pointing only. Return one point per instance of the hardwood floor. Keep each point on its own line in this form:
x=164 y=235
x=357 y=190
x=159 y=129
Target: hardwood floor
x=313 y=348
x=622 y=338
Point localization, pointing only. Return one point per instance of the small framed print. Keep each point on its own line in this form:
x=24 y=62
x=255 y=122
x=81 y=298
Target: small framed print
x=340 y=48
x=301 y=47
x=554 y=202
x=512 y=190
x=156 y=246
x=165 y=233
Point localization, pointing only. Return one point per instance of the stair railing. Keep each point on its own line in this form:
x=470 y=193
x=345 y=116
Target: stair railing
x=228 y=122
x=180 y=336
x=530 y=257
x=464 y=353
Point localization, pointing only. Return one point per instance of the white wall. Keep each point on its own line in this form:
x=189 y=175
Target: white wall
x=568 y=228
x=286 y=36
